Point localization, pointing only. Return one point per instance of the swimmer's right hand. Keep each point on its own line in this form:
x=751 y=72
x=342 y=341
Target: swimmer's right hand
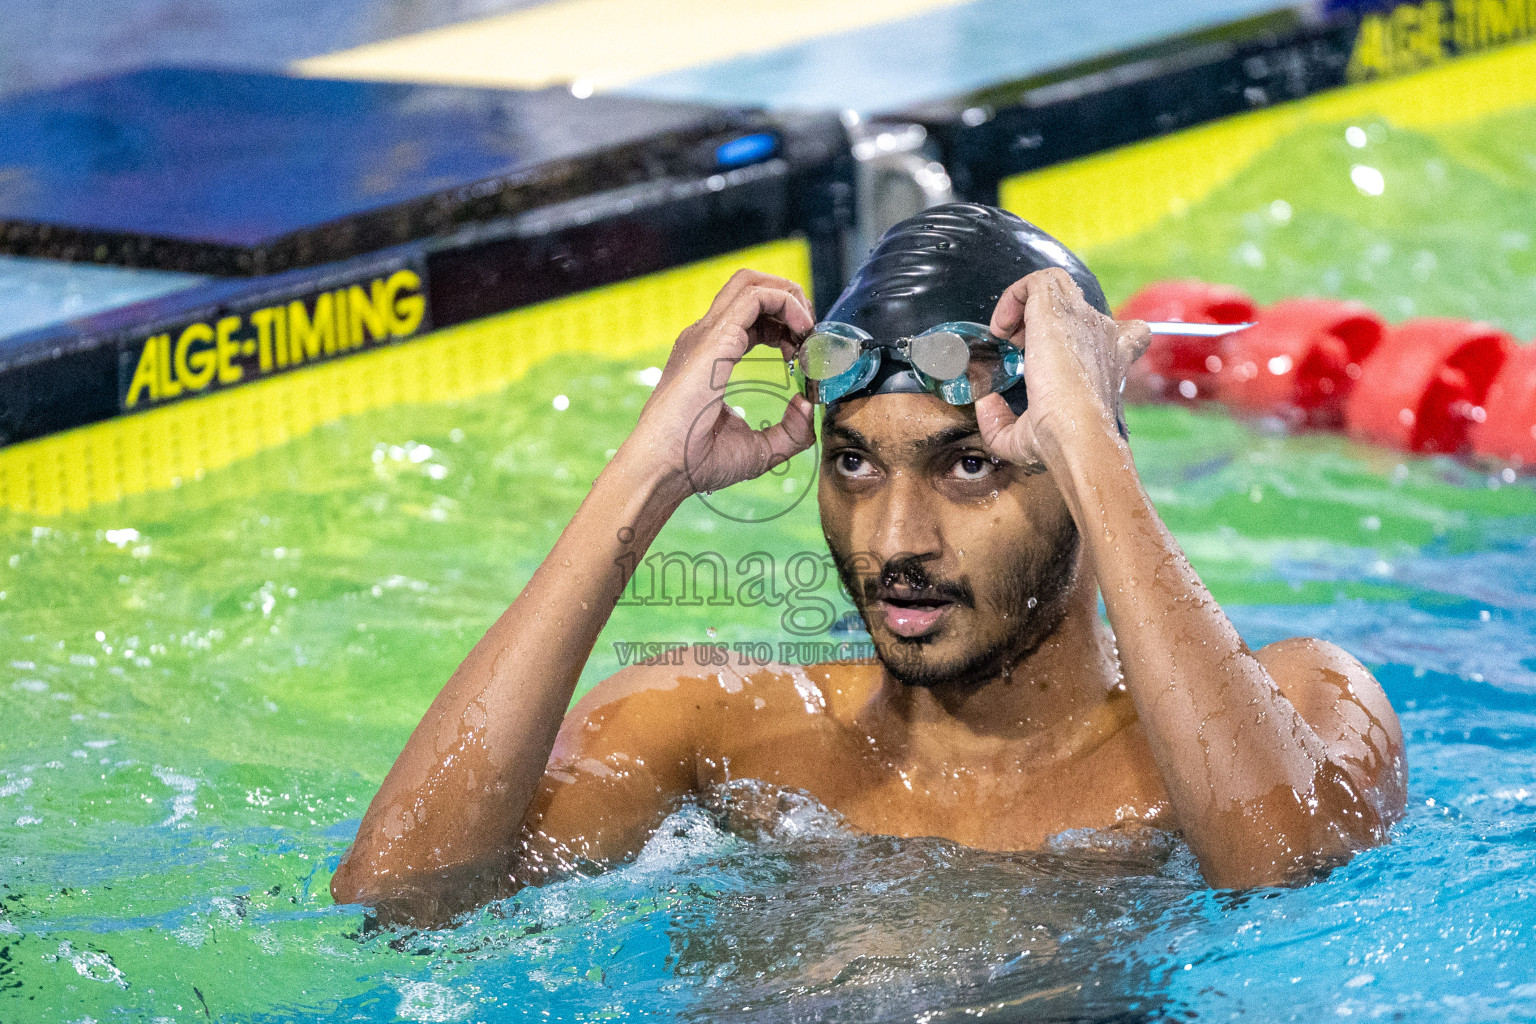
x=686 y=429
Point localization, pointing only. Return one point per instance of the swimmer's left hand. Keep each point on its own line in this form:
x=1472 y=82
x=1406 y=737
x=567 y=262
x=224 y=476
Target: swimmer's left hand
x=1075 y=361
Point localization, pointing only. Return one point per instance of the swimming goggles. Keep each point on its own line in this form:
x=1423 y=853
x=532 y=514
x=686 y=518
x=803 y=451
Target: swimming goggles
x=959 y=362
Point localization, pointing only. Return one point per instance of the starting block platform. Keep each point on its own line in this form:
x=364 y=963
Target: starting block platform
x=218 y=172
x=327 y=217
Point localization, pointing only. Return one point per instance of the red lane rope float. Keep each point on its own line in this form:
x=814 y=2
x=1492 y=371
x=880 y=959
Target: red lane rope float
x=1179 y=367
x=1300 y=360
x=1425 y=384
x=1508 y=428
x=1428 y=385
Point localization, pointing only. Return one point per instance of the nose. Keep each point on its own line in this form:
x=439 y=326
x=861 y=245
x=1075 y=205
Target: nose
x=904 y=521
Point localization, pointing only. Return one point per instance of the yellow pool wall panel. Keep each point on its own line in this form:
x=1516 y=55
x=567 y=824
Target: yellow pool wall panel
x=1115 y=195
x=163 y=447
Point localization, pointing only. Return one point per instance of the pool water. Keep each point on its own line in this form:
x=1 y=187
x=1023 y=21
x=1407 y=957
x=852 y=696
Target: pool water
x=204 y=688
x=1449 y=234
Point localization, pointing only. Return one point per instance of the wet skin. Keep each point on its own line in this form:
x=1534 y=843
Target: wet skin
x=1003 y=709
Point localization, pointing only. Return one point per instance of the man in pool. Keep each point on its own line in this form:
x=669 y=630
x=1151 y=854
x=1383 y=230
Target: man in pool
x=976 y=539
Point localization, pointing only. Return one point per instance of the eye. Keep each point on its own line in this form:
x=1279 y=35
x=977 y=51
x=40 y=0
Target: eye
x=853 y=466
x=972 y=467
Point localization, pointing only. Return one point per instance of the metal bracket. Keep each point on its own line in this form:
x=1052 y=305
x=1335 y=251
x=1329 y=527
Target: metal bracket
x=898 y=177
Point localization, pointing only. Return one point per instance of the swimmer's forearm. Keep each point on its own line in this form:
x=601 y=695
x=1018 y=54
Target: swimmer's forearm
x=1232 y=751
x=451 y=806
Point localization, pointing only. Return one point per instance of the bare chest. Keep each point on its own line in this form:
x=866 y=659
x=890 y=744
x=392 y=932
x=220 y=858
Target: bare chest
x=1015 y=806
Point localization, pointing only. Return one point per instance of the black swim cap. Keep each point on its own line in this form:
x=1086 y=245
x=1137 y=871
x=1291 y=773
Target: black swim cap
x=950 y=262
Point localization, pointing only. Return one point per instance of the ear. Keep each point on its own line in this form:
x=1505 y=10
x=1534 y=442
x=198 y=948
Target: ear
x=1133 y=340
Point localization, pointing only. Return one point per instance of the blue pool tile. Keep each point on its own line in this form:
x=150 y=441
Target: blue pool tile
x=41 y=293
x=942 y=53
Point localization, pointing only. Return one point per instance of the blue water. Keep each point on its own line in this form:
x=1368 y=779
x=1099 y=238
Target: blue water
x=799 y=920
x=204 y=688
x=806 y=922
x=802 y=921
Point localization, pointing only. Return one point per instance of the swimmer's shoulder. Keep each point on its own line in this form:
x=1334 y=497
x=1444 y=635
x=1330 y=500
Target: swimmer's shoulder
x=1331 y=690
x=834 y=688
x=705 y=688
x=646 y=705
x=1347 y=709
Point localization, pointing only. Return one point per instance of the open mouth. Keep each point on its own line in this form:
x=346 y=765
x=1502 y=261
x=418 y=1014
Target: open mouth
x=912 y=615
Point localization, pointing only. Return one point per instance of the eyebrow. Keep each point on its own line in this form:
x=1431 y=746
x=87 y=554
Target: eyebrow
x=847 y=434
x=949 y=436
x=941 y=439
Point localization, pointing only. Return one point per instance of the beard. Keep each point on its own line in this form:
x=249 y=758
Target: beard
x=1033 y=594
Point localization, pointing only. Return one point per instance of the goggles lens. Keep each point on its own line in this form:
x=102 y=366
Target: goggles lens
x=834 y=361
x=960 y=362
x=826 y=355
x=991 y=365
x=940 y=354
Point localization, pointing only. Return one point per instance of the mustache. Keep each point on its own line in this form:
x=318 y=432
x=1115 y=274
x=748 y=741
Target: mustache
x=905 y=578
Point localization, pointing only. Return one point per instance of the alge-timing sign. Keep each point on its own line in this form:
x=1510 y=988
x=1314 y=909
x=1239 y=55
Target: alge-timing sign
x=247 y=344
